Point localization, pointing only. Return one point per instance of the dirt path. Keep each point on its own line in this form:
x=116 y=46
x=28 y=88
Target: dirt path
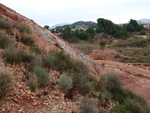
x=129 y=78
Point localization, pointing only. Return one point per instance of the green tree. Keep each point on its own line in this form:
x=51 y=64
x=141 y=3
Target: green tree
x=91 y=31
x=66 y=33
x=46 y=27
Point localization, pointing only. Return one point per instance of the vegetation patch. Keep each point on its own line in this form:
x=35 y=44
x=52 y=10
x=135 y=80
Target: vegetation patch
x=5 y=24
x=25 y=28
x=42 y=76
x=14 y=55
x=65 y=82
x=5 y=84
x=87 y=106
x=5 y=40
x=27 y=39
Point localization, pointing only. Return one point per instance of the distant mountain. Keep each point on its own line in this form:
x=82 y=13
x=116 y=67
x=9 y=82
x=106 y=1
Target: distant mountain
x=56 y=25
x=144 y=21
x=80 y=23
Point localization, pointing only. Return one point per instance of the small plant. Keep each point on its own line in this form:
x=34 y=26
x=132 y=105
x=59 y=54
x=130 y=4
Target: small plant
x=5 y=84
x=5 y=24
x=65 y=82
x=42 y=76
x=27 y=39
x=102 y=44
x=33 y=83
x=119 y=109
x=87 y=106
x=57 y=60
x=140 y=75
x=134 y=106
x=14 y=55
x=107 y=95
x=25 y=28
x=102 y=112
x=112 y=83
x=142 y=32
x=5 y=40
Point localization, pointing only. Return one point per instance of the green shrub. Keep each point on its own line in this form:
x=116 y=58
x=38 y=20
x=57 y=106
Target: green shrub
x=102 y=112
x=135 y=106
x=42 y=76
x=87 y=106
x=14 y=55
x=140 y=75
x=33 y=83
x=57 y=60
x=95 y=86
x=112 y=84
x=119 y=109
x=142 y=32
x=25 y=28
x=27 y=39
x=65 y=82
x=80 y=73
x=5 y=40
x=5 y=24
x=5 y=84
x=107 y=95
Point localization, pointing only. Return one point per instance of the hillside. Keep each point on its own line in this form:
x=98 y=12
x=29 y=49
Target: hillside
x=79 y=23
x=42 y=73
x=144 y=21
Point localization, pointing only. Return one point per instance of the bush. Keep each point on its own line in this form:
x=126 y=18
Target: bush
x=14 y=55
x=87 y=106
x=112 y=84
x=107 y=95
x=42 y=76
x=80 y=73
x=57 y=60
x=119 y=109
x=27 y=39
x=25 y=28
x=5 y=24
x=33 y=83
x=5 y=40
x=34 y=60
x=142 y=32
x=102 y=112
x=5 y=84
x=65 y=82
x=135 y=106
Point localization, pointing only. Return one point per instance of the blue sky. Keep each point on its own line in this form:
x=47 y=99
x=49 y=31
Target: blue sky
x=51 y=12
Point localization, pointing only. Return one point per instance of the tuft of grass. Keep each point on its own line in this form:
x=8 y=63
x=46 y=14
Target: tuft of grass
x=65 y=82
x=5 y=84
x=33 y=83
x=112 y=83
x=27 y=39
x=57 y=60
x=5 y=24
x=25 y=28
x=5 y=40
x=87 y=106
x=42 y=76
x=14 y=55
x=140 y=75
x=118 y=108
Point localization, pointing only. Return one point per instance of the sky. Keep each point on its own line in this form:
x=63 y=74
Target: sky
x=51 y=12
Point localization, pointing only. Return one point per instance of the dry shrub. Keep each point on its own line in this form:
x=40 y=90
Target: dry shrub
x=5 y=84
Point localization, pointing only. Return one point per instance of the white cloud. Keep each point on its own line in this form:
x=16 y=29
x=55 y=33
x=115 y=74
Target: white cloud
x=60 y=11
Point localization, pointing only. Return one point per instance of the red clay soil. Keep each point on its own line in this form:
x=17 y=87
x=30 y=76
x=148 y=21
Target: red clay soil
x=129 y=78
